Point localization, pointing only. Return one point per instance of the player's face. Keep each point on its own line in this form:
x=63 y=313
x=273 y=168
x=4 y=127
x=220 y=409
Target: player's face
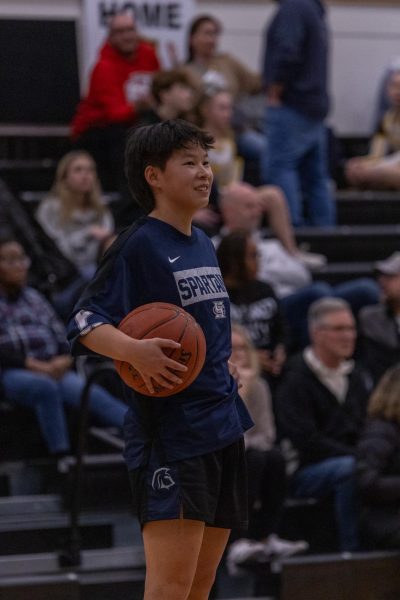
x=186 y=179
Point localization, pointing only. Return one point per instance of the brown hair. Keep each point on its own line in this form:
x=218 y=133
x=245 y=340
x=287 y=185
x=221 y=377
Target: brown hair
x=195 y=26
x=164 y=80
x=384 y=402
x=231 y=254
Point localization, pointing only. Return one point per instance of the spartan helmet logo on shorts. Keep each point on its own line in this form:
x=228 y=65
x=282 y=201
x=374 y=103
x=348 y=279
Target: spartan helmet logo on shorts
x=162 y=479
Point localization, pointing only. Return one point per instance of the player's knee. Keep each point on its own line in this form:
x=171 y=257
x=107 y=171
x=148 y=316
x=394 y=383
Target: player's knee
x=203 y=582
x=176 y=587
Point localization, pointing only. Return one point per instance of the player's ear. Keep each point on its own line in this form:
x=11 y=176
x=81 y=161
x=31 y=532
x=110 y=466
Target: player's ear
x=151 y=174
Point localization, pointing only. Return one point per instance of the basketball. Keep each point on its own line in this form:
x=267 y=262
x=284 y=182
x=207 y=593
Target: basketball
x=167 y=321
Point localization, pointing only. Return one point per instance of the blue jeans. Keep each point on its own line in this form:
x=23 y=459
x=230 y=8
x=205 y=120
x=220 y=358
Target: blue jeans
x=296 y=160
x=48 y=396
x=358 y=293
x=251 y=145
x=333 y=476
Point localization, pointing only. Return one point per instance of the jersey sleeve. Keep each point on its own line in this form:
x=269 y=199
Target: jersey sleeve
x=106 y=300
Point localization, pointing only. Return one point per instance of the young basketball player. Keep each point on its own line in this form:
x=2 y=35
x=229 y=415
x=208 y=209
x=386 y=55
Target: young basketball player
x=184 y=452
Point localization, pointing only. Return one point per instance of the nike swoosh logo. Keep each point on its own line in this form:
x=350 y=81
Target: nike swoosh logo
x=172 y=260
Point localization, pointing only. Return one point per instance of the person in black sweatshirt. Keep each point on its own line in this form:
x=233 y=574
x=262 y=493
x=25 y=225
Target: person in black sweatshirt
x=320 y=409
x=254 y=304
x=295 y=77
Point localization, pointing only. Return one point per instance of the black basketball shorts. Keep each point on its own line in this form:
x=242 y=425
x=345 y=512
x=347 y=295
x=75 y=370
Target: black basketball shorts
x=211 y=488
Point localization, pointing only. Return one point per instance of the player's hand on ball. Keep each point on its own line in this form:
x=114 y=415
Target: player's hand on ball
x=154 y=365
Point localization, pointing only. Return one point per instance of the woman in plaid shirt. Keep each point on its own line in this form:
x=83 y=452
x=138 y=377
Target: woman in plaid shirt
x=36 y=368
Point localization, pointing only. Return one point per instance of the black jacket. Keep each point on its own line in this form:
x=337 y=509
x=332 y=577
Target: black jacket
x=310 y=416
x=378 y=463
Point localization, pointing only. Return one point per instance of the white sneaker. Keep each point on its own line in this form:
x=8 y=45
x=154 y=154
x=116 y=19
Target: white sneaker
x=311 y=260
x=277 y=547
x=244 y=552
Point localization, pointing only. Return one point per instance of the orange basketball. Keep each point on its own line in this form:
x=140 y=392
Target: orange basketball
x=167 y=321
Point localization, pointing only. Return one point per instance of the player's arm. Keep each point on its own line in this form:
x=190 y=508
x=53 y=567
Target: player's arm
x=146 y=356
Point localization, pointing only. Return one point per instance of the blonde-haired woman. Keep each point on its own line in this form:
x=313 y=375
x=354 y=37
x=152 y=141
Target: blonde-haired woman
x=74 y=214
x=265 y=465
x=378 y=465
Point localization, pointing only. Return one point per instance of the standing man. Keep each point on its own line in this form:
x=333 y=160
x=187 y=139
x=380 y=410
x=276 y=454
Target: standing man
x=119 y=88
x=295 y=76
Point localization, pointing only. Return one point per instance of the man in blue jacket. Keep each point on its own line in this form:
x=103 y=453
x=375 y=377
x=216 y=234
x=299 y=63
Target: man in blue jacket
x=295 y=76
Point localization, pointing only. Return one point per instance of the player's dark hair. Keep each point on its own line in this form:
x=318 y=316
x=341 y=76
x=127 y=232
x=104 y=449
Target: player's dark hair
x=154 y=145
x=231 y=254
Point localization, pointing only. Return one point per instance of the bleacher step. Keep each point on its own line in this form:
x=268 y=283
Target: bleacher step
x=347 y=576
x=338 y=272
x=368 y=207
x=49 y=533
x=46 y=504
x=351 y=243
x=116 y=573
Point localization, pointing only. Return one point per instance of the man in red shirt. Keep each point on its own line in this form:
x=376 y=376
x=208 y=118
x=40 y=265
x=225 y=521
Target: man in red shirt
x=118 y=90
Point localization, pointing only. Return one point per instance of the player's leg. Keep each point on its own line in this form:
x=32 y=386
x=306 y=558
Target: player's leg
x=212 y=549
x=172 y=549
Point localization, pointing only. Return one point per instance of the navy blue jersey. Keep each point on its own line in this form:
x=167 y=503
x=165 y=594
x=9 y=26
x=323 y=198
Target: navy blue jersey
x=154 y=262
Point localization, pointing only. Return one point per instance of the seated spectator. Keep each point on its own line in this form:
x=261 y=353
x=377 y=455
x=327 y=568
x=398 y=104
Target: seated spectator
x=266 y=467
x=76 y=218
x=383 y=102
x=51 y=271
x=379 y=325
x=118 y=88
x=254 y=304
x=74 y=214
x=210 y=69
x=290 y=279
x=36 y=367
x=320 y=409
x=378 y=465
x=215 y=114
x=380 y=169
x=172 y=96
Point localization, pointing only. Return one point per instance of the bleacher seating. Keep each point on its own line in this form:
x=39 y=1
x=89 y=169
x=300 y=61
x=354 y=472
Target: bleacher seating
x=30 y=540
x=29 y=154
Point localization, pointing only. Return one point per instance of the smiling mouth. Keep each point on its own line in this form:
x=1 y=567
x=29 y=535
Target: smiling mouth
x=202 y=188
